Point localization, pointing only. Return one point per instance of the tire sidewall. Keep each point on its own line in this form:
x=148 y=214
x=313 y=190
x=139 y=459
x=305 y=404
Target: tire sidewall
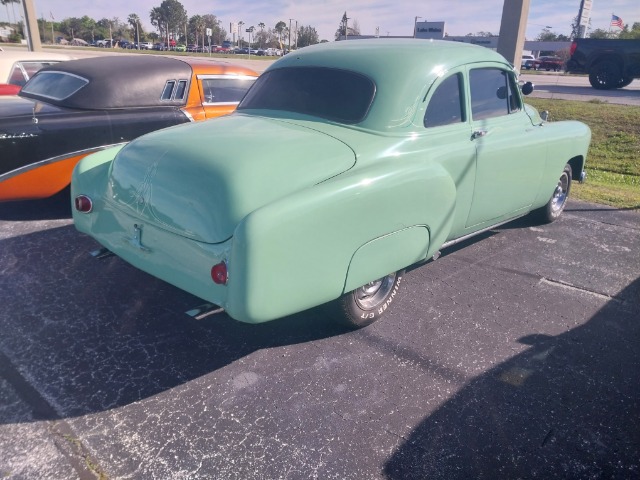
x=354 y=316
x=552 y=214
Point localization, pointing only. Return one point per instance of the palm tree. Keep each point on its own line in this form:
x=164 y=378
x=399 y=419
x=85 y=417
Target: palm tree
x=280 y=29
x=134 y=21
x=6 y=4
x=261 y=26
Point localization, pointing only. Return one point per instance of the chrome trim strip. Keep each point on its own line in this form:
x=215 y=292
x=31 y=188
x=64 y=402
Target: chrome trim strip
x=470 y=235
x=213 y=104
x=59 y=158
x=204 y=76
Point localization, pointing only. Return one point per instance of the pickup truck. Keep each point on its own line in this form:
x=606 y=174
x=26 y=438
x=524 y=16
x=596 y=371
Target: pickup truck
x=610 y=63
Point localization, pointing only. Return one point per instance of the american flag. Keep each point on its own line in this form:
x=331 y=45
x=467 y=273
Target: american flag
x=616 y=22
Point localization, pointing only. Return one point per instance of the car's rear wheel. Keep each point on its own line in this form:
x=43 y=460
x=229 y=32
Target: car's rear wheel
x=365 y=305
x=555 y=206
x=605 y=76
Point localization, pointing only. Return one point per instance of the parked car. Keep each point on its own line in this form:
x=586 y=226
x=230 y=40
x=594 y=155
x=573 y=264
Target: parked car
x=78 y=107
x=125 y=44
x=273 y=52
x=181 y=48
x=548 y=63
x=525 y=59
x=334 y=175
x=16 y=67
x=145 y=46
x=159 y=46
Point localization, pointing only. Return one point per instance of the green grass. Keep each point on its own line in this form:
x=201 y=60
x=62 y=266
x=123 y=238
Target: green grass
x=613 y=161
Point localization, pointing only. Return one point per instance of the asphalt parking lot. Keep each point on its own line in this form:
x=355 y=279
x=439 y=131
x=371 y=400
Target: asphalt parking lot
x=515 y=355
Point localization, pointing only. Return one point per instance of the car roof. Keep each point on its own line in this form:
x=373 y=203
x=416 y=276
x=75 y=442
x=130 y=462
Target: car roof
x=8 y=58
x=400 y=68
x=125 y=81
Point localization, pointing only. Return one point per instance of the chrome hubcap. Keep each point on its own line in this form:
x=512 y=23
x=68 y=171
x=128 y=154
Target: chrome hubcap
x=560 y=194
x=374 y=293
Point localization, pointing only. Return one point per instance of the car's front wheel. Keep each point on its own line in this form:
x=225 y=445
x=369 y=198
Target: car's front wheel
x=555 y=206
x=365 y=305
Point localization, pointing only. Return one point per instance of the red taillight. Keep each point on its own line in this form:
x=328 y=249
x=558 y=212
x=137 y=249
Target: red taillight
x=219 y=273
x=83 y=204
x=572 y=50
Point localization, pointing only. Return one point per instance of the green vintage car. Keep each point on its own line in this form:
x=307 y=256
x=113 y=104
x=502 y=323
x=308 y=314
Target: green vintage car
x=344 y=164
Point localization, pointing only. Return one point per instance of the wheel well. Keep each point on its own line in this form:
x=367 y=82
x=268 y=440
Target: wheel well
x=577 y=163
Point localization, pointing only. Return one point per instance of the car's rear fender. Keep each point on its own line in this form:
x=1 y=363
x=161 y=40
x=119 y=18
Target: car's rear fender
x=90 y=178
x=310 y=247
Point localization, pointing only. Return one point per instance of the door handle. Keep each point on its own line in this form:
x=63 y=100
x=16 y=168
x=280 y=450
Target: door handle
x=478 y=134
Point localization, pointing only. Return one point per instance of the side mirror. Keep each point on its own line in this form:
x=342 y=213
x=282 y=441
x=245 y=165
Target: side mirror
x=527 y=88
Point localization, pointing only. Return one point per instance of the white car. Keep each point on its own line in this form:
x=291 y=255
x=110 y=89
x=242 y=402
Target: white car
x=526 y=58
x=16 y=67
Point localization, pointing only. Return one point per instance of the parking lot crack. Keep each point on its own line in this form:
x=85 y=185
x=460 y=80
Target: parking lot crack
x=582 y=290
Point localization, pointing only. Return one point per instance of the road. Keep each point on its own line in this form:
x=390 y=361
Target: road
x=571 y=87
x=514 y=355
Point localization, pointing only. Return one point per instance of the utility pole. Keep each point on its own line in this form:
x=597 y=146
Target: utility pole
x=31 y=26
x=512 y=30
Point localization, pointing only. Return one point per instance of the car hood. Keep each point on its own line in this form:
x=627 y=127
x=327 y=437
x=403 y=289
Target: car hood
x=200 y=180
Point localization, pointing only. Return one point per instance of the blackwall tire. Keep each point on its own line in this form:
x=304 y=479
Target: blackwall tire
x=605 y=76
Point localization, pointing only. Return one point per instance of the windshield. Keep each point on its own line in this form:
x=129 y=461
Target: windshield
x=333 y=94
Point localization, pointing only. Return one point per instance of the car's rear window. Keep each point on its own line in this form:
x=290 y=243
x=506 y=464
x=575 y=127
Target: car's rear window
x=54 y=85
x=333 y=94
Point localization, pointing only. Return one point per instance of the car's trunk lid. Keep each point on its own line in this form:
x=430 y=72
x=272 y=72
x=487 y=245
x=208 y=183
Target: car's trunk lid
x=200 y=180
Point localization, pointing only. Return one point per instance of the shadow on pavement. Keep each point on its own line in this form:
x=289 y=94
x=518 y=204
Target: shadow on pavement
x=56 y=207
x=96 y=335
x=568 y=407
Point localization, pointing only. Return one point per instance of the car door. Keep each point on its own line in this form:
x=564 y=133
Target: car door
x=448 y=141
x=509 y=149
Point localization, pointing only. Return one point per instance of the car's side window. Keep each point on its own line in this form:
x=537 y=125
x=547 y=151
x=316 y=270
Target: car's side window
x=225 y=90
x=17 y=76
x=445 y=105
x=493 y=93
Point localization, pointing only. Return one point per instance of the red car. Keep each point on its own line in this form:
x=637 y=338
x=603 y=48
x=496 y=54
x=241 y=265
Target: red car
x=548 y=63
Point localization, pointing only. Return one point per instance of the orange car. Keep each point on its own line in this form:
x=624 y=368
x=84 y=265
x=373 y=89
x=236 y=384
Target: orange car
x=71 y=109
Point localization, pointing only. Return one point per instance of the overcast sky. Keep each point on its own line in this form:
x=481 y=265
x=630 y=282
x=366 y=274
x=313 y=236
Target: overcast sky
x=391 y=17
